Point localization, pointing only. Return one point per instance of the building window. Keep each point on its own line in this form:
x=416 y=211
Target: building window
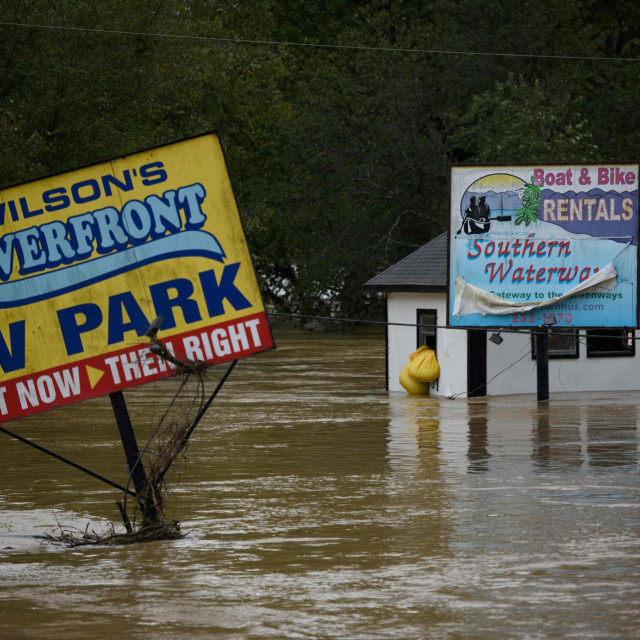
x=427 y=321
x=563 y=343
x=610 y=343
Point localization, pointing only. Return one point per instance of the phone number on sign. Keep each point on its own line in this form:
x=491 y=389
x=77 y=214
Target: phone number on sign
x=532 y=318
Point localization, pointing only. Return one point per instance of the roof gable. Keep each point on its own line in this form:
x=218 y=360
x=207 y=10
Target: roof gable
x=423 y=270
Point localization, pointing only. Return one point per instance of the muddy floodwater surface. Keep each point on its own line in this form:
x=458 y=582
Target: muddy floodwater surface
x=318 y=505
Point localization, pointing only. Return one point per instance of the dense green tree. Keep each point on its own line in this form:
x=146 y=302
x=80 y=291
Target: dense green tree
x=339 y=156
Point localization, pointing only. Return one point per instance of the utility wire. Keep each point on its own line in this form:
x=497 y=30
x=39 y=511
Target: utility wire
x=313 y=45
x=520 y=331
x=470 y=393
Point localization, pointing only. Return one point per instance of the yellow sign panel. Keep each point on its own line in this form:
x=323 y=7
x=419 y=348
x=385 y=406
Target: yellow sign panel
x=91 y=258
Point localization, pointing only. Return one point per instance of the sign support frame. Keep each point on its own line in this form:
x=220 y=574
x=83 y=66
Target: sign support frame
x=199 y=417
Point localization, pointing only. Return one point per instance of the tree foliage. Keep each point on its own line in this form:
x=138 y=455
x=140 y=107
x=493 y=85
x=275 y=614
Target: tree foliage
x=339 y=156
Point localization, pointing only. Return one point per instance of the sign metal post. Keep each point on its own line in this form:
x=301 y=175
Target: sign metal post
x=135 y=468
x=542 y=363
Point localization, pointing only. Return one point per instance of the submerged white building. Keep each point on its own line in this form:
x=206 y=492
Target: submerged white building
x=473 y=365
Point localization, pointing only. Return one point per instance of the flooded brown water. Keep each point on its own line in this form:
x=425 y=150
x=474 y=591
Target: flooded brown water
x=320 y=506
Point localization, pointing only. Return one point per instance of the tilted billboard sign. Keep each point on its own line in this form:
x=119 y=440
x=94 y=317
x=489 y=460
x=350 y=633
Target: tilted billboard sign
x=91 y=258
x=528 y=243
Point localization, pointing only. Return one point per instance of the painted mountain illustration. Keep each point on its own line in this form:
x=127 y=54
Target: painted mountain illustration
x=506 y=201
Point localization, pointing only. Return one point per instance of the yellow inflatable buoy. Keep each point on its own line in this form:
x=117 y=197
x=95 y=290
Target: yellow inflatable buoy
x=421 y=369
x=412 y=386
x=423 y=365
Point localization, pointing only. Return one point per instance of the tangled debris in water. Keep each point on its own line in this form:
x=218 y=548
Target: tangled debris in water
x=77 y=538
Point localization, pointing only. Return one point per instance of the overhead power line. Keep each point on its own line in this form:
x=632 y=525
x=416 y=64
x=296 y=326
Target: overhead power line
x=313 y=45
x=500 y=329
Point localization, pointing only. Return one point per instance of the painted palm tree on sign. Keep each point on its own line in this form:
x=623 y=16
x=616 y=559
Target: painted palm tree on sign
x=531 y=201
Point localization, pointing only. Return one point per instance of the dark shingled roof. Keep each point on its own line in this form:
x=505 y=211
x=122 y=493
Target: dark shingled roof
x=423 y=270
